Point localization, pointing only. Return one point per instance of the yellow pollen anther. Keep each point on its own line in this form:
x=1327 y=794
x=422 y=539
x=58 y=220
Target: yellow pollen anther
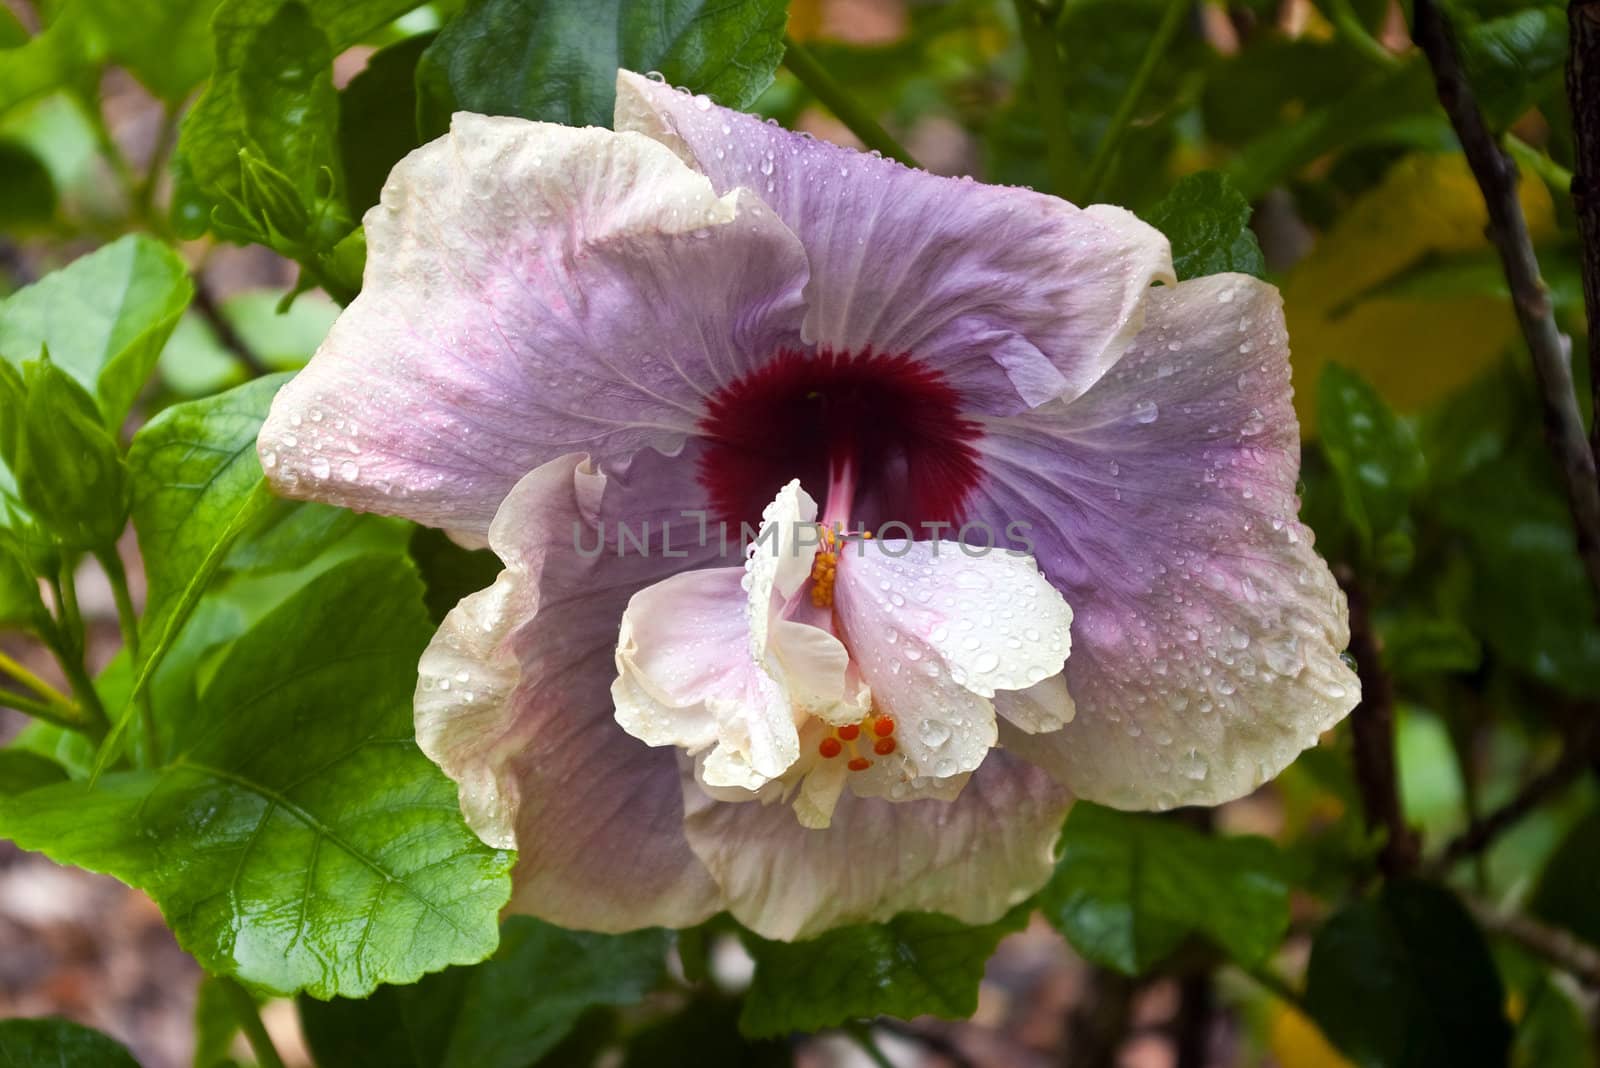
x=823 y=571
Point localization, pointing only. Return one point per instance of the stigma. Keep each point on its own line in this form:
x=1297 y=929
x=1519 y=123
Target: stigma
x=877 y=728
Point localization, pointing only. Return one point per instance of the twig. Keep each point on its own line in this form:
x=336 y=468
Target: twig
x=1583 y=90
x=1105 y=153
x=67 y=642
x=1191 y=1027
x=249 y=1017
x=128 y=621
x=66 y=716
x=1350 y=25
x=1575 y=757
x=1044 y=60
x=206 y=304
x=935 y=1043
x=803 y=65
x=862 y=1035
x=33 y=682
x=145 y=192
x=1566 y=951
x=1372 y=730
x=1099 y=1022
x=1496 y=175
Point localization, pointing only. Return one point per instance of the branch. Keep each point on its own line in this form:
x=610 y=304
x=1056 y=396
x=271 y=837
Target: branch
x=1372 y=730
x=1106 y=153
x=1099 y=1022
x=815 y=77
x=1583 y=90
x=206 y=304
x=1496 y=175
x=1566 y=951
x=935 y=1043
x=1044 y=61
x=1575 y=757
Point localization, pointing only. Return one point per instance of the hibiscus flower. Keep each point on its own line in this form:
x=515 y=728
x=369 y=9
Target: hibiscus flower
x=608 y=355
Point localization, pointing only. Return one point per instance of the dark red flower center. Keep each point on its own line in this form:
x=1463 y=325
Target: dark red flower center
x=894 y=425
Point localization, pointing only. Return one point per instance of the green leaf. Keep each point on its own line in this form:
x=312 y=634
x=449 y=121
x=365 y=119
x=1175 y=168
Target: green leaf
x=196 y=364
x=104 y=318
x=1529 y=599
x=271 y=94
x=1513 y=61
x=1208 y=222
x=1452 y=276
x=709 y=1026
x=1373 y=452
x=27 y=191
x=450 y=572
x=1395 y=106
x=69 y=471
x=1553 y=1032
x=67 y=53
x=544 y=59
x=21 y=771
x=1131 y=889
x=1405 y=981
x=20 y=605
x=291 y=108
x=297 y=839
x=193 y=466
x=919 y=963
x=166 y=44
x=54 y=1043
x=1570 y=883
x=507 y=1012
x=378 y=119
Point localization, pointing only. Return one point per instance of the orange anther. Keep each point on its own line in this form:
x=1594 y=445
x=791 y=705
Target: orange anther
x=850 y=731
x=883 y=726
x=830 y=748
x=859 y=764
x=883 y=746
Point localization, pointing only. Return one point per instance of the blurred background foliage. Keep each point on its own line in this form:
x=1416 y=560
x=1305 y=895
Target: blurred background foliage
x=242 y=141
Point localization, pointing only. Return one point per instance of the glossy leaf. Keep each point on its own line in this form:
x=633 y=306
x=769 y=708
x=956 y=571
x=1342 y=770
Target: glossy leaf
x=1529 y=599
x=193 y=467
x=1130 y=889
x=1208 y=222
x=917 y=964
x=297 y=790
x=256 y=62
x=55 y=1043
x=1373 y=452
x=1512 y=61
x=1404 y=980
x=378 y=119
x=104 y=318
x=507 y=1012
x=543 y=59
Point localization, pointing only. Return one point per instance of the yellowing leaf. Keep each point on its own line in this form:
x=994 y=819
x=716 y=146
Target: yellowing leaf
x=1411 y=350
x=1296 y=1042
